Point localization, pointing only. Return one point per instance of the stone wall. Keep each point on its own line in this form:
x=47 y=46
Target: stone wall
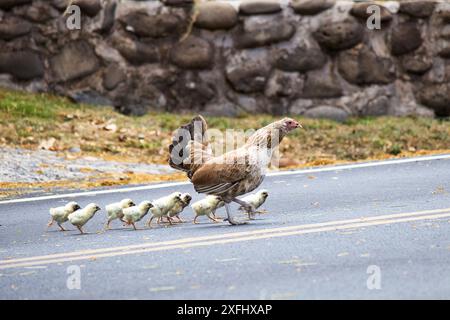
x=304 y=57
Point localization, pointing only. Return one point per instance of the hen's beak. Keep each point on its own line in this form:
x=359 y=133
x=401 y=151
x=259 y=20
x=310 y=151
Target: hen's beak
x=298 y=125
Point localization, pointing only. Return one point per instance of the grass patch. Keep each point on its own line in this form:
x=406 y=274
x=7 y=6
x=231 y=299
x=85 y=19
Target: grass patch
x=26 y=120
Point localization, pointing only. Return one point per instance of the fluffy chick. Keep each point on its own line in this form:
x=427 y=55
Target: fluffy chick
x=115 y=210
x=179 y=206
x=134 y=214
x=256 y=200
x=206 y=207
x=80 y=217
x=163 y=205
x=61 y=214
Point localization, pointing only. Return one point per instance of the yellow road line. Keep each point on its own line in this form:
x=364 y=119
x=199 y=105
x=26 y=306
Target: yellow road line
x=363 y=223
x=220 y=236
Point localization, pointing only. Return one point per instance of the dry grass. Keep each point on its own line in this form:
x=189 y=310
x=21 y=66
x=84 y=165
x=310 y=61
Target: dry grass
x=28 y=120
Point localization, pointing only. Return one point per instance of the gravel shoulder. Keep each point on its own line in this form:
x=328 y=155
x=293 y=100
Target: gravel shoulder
x=29 y=171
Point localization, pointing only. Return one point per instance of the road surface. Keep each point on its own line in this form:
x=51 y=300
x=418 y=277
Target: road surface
x=365 y=231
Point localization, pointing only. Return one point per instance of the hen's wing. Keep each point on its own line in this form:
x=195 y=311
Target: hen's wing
x=222 y=173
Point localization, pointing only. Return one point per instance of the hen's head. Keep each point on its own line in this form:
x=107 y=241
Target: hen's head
x=288 y=124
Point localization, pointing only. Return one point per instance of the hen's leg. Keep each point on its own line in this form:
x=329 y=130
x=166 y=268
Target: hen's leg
x=230 y=218
x=247 y=206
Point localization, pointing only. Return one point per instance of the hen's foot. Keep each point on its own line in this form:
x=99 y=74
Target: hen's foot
x=235 y=222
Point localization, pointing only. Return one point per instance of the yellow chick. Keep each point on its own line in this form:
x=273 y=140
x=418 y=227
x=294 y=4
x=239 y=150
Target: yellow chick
x=179 y=206
x=134 y=214
x=80 y=217
x=115 y=210
x=206 y=207
x=163 y=205
x=61 y=214
x=256 y=200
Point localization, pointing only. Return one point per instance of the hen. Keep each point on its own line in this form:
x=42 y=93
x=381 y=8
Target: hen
x=232 y=174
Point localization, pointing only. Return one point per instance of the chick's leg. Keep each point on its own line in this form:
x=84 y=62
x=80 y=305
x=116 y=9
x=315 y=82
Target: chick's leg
x=81 y=230
x=230 y=218
x=50 y=223
x=61 y=227
x=149 y=223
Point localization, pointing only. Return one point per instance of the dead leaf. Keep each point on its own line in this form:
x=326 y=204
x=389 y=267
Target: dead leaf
x=49 y=144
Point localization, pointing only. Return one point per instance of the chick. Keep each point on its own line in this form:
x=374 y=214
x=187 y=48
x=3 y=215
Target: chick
x=179 y=206
x=206 y=207
x=163 y=205
x=134 y=214
x=256 y=200
x=61 y=214
x=80 y=217
x=115 y=210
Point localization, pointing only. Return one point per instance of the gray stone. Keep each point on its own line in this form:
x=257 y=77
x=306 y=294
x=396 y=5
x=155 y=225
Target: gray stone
x=416 y=63
x=437 y=97
x=327 y=112
x=299 y=106
x=376 y=107
x=77 y=59
x=23 y=65
x=178 y=3
x=136 y=52
x=61 y=5
x=108 y=17
x=155 y=26
x=417 y=8
x=113 y=76
x=247 y=73
x=284 y=84
x=14 y=27
x=362 y=66
x=192 y=92
x=89 y=7
x=89 y=96
x=214 y=15
x=259 y=7
x=299 y=58
x=259 y=31
x=340 y=35
x=311 y=7
x=444 y=12
x=405 y=38
x=359 y=10
x=321 y=85
x=8 y=4
x=192 y=53
x=445 y=52
x=445 y=32
x=38 y=12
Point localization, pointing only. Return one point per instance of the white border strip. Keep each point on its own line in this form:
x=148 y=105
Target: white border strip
x=271 y=174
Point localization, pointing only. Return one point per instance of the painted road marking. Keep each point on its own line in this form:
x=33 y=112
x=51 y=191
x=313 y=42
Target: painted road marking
x=227 y=238
x=278 y=173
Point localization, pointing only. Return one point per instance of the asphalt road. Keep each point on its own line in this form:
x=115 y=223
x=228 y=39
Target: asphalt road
x=364 y=232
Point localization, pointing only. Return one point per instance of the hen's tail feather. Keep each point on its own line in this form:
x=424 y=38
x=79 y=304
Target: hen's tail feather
x=189 y=147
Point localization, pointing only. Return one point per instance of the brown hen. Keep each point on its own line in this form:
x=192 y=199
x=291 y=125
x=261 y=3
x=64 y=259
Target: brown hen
x=231 y=174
